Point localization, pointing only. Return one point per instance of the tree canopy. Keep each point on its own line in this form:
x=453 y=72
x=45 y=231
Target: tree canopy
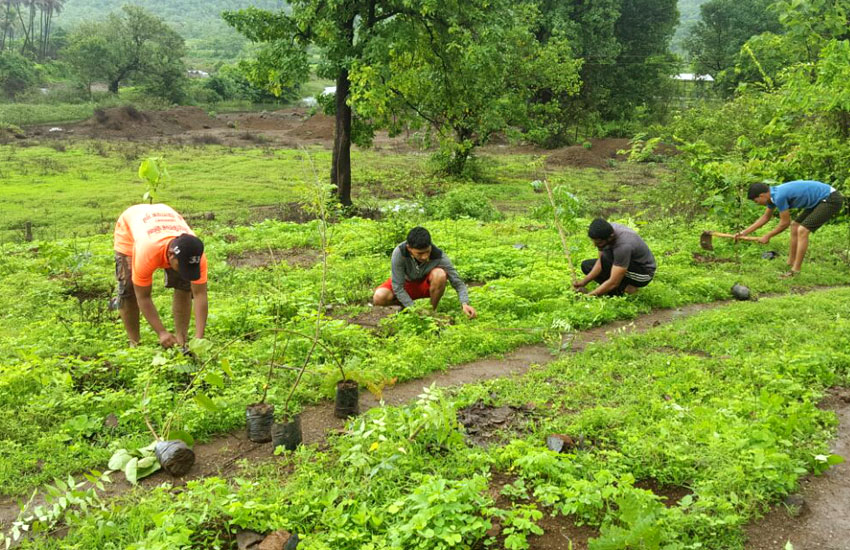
x=133 y=44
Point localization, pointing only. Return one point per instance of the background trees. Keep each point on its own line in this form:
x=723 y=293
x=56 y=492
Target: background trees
x=725 y=25
x=131 y=44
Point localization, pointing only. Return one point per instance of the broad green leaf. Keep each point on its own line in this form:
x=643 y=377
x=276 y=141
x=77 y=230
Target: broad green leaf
x=225 y=366
x=200 y=347
x=146 y=462
x=214 y=379
x=131 y=470
x=148 y=170
x=205 y=402
x=183 y=436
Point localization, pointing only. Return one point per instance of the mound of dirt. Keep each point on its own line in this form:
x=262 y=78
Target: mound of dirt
x=596 y=156
x=127 y=121
x=10 y=133
x=316 y=127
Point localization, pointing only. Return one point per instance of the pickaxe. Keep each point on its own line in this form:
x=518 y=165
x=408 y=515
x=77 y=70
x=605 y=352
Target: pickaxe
x=705 y=238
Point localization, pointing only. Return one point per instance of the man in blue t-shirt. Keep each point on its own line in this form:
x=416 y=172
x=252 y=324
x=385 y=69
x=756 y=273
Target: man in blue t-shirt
x=818 y=202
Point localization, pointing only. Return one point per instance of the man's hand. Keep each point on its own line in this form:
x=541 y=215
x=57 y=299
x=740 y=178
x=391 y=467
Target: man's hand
x=167 y=340
x=764 y=240
x=469 y=311
x=739 y=235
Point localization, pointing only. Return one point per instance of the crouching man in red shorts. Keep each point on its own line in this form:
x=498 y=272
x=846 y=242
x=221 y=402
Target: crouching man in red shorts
x=420 y=270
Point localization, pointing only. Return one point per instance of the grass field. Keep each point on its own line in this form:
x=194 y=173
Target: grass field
x=66 y=368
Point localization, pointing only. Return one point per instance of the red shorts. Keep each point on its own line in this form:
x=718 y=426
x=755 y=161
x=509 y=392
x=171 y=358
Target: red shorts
x=415 y=289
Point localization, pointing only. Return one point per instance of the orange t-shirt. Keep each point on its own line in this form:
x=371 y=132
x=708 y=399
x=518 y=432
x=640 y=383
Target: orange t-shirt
x=143 y=232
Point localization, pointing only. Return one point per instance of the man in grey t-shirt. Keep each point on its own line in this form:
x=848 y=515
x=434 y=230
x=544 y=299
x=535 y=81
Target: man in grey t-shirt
x=420 y=270
x=624 y=264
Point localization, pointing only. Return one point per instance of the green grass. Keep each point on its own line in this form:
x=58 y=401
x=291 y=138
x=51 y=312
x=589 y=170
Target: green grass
x=734 y=431
x=66 y=367
x=25 y=114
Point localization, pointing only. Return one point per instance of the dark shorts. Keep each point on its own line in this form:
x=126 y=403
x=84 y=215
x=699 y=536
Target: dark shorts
x=825 y=210
x=636 y=275
x=124 y=276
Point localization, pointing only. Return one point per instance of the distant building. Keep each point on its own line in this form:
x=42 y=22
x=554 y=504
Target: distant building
x=195 y=73
x=693 y=88
x=691 y=77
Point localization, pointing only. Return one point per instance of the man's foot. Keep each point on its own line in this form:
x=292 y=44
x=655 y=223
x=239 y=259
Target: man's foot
x=789 y=274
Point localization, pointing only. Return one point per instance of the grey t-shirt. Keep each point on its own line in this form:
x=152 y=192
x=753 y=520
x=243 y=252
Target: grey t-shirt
x=406 y=268
x=628 y=248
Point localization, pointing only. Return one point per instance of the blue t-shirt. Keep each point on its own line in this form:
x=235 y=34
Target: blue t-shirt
x=798 y=194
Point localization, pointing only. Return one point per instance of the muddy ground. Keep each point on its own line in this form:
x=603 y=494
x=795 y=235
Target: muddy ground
x=290 y=127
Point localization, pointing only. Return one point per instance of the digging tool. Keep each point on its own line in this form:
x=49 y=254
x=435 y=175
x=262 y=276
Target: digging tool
x=705 y=238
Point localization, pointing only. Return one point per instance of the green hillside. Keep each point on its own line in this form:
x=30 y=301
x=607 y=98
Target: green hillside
x=207 y=36
x=688 y=15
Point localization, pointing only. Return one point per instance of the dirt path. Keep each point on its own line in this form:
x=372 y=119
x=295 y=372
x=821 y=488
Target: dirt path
x=821 y=520
x=221 y=455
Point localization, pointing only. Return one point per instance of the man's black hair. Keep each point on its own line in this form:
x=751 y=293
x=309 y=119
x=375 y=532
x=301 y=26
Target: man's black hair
x=757 y=189
x=600 y=229
x=419 y=238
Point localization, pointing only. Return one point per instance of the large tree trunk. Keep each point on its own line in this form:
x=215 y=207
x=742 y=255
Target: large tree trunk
x=341 y=159
x=113 y=86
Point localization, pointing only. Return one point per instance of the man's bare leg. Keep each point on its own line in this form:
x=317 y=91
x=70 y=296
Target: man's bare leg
x=631 y=289
x=792 y=252
x=437 y=283
x=384 y=297
x=802 y=247
x=129 y=312
x=181 y=310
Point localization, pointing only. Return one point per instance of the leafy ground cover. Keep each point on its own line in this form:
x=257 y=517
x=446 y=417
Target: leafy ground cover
x=731 y=425
x=71 y=393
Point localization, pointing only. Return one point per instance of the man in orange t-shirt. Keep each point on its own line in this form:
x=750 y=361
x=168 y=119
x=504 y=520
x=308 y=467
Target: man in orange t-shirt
x=150 y=237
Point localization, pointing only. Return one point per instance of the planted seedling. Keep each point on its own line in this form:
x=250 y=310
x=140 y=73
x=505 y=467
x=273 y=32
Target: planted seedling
x=347 y=391
x=259 y=416
x=172 y=450
x=565 y=211
x=154 y=172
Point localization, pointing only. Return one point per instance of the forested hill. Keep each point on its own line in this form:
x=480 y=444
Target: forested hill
x=688 y=15
x=193 y=19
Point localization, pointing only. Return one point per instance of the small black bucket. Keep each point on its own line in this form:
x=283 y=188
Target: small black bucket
x=174 y=456
x=287 y=434
x=347 y=399
x=259 y=418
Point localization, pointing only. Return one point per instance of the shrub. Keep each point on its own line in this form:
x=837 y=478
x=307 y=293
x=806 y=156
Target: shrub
x=462 y=203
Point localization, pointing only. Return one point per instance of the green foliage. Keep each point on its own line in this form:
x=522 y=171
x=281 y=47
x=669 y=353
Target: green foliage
x=153 y=170
x=456 y=80
x=462 y=203
x=723 y=28
x=64 y=500
x=17 y=74
x=642 y=148
x=135 y=463
x=134 y=44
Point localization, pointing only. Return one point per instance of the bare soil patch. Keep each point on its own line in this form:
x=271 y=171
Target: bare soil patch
x=823 y=520
x=670 y=494
x=705 y=259
x=485 y=424
x=131 y=123
x=372 y=317
x=285 y=212
x=295 y=257
x=598 y=155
